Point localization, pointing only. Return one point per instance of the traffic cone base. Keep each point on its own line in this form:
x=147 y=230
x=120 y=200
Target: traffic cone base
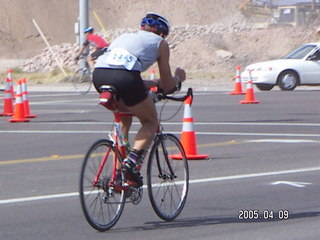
x=189 y=157
x=237 y=93
x=31 y=116
x=5 y=115
x=8 y=110
x=19 y=114
x=7 y=107
x=249 y=98
x=249 y=102
x=188 y=141
x=19 y=120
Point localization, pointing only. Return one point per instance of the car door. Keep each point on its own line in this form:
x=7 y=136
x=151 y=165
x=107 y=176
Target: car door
x=310 y=69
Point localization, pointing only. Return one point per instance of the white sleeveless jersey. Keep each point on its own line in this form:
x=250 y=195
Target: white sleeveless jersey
x=131 y=51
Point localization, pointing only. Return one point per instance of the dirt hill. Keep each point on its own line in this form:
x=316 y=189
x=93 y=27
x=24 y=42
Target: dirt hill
x=19 y=37
x=208 y=35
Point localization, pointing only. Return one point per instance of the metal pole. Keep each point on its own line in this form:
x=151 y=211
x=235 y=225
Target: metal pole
x=83 y=23
x=313 y=4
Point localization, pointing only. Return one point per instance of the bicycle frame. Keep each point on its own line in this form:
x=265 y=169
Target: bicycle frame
x=118 y=142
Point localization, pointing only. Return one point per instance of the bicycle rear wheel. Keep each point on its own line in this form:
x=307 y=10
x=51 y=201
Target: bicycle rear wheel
x=82 y=81
x=167 y=178
x=100 y=203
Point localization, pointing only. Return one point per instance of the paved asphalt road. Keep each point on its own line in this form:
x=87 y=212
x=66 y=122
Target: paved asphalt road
x=264 y=158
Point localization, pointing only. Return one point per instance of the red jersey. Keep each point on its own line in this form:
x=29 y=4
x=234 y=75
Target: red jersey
x=96 y=41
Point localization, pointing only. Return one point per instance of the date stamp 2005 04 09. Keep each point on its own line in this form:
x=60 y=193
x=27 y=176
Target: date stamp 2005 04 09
x=255 y=214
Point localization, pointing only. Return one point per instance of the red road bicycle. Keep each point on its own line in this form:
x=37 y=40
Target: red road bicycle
x=104 y=188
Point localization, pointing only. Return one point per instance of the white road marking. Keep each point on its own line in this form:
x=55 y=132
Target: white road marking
x=293 y=184
x=197 y=132
x=282 y=141
x=195 y=123
x=195 y=181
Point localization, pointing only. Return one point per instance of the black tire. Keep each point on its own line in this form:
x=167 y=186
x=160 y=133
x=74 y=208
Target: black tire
x=264 y=87
x=167 y=177
x=101 y=206
x=82 y=81
x=288 y=80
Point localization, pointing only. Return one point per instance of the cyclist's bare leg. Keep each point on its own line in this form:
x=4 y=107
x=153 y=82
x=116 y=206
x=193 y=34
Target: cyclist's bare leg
x=146 y=112
x=126 y=121
x=90 y=62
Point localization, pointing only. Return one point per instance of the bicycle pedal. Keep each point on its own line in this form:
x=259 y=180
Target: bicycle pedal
x=132 y=184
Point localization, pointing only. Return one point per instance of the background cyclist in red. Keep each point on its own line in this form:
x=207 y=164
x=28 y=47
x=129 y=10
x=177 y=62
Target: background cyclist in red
x=97 y=42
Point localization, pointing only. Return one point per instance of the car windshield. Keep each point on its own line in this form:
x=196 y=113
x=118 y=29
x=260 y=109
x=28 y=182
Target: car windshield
x=301 y=52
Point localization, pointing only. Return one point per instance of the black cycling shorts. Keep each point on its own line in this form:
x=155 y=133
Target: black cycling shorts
x=129 y=84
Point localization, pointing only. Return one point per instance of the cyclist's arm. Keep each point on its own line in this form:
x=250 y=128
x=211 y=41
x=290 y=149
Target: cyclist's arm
x=83 y=47
x=168 y=82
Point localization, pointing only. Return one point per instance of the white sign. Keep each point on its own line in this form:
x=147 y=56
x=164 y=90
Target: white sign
x=121 y=57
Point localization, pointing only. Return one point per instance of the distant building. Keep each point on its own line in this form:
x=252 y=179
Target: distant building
x=282 y=2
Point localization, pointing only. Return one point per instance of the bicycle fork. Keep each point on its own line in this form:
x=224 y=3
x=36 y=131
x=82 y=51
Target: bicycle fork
x=163 y=175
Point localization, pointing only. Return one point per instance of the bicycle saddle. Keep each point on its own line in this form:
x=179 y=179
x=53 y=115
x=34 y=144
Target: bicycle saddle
x=108 y=97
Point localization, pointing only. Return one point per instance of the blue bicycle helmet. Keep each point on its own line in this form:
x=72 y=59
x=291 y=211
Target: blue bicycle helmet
x=155 y=20
x=88 y=29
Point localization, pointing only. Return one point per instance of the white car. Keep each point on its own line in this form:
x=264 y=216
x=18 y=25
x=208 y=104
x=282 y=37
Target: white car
x=300 y=67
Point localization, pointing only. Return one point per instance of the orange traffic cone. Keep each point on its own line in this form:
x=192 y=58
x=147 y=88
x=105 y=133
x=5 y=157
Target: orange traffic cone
x=11 y=83
x=237 y=84
x=7 y=100
x=152 y=77
x=249 y=98
x=26 y=100
x=188 y=136
x=19 y=109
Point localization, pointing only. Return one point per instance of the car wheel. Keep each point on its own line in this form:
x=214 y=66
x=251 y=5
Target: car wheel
x=264 y=87
x=288 y=80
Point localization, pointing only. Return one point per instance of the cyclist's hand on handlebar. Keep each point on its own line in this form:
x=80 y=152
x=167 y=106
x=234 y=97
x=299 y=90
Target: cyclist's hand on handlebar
x=179 y=77
x=180 y=74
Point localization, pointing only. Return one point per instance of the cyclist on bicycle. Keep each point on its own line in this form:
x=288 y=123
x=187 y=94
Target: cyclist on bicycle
x=121 y=66
x=97 y=42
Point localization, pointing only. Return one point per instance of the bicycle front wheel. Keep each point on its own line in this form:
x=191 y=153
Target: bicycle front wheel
x=101 y=204
x=82 y=81
x=167 y=177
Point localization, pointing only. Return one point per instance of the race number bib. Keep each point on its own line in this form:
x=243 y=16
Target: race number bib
x=121 y=57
